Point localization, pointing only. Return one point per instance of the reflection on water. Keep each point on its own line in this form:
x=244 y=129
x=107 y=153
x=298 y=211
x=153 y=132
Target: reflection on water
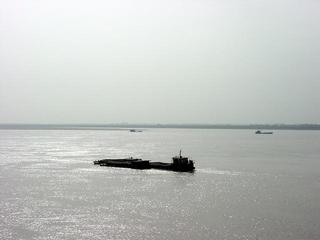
x=244 y=187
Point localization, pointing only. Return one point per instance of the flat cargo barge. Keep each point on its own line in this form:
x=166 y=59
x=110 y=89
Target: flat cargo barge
x=179 y=164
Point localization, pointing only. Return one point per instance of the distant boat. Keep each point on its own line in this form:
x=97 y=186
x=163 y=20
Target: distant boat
x=135 y=130
x=260 y=132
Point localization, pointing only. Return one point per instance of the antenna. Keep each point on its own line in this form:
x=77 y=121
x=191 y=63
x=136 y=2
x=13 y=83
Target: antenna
x=180 y=153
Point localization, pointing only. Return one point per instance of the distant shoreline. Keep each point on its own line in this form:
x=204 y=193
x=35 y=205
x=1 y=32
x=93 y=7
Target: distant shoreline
x=122 y=126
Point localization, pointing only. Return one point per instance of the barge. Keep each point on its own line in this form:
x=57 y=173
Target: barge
x=179 y=164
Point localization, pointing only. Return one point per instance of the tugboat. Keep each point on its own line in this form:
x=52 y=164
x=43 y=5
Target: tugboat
x=179 y=164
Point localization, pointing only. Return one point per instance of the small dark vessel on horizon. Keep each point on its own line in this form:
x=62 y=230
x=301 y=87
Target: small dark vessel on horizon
x=135 y=130
x=179 y=164
x=260 y=132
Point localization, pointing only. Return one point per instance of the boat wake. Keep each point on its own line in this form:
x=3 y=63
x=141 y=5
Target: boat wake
x=218 y=172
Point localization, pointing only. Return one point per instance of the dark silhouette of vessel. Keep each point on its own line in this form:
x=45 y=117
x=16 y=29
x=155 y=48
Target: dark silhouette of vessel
x=135 y=130
x=179 y=164
x=136 y=163
x=260 y=132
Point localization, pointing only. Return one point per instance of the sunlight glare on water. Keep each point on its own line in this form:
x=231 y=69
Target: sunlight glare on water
x=245 y=186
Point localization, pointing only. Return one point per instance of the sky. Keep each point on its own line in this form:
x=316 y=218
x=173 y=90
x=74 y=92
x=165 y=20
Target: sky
x=169 y=61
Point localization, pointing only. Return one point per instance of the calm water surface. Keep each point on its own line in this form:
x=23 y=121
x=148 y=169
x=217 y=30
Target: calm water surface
x=246 y=186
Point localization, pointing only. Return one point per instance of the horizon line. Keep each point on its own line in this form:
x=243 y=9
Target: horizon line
x=96 y=126
x=148 y=123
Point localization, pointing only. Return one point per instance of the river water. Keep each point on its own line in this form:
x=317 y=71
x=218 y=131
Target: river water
x=245 y=186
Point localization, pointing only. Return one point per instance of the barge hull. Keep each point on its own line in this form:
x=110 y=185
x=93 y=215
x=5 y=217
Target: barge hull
x=179 y=164
x=143 y=164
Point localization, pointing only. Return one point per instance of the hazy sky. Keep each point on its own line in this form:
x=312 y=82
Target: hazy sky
x=169 y=61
